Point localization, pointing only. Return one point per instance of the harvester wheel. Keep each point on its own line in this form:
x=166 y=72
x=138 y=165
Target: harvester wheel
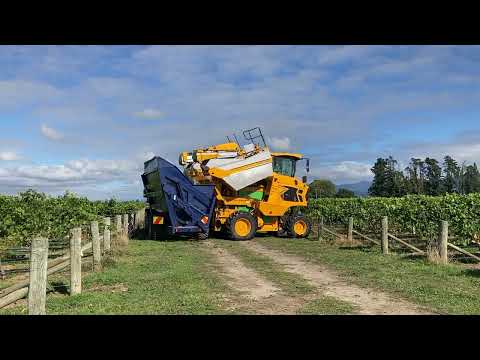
x=148 y=222
x=241 y=226
x=282 y=231
x=159 y=232
x=298 y=226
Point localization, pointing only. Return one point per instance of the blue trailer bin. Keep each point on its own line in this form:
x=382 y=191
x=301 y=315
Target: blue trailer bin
x=176 y=205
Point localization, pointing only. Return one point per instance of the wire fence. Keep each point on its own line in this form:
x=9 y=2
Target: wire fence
x=29 y=267
x=439 y=249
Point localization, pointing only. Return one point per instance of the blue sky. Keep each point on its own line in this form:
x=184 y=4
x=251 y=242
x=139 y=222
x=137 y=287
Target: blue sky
x=84 y=118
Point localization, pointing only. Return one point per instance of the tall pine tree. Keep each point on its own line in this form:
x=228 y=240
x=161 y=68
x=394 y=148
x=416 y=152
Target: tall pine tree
x=471 y=179
x=433 y=177
x=423 y=177
x=415 y=176
x=451 y=175
x=379 y=183
x=388 y=180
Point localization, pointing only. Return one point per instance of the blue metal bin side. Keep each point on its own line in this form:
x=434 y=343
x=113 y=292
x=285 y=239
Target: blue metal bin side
x=189 y=207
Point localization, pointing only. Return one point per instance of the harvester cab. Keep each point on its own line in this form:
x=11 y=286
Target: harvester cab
x=231 y=188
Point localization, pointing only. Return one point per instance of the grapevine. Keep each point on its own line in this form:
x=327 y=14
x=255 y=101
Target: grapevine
x=413 y=213
x=32 y=213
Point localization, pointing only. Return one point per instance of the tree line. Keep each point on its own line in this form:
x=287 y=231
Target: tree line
x=326 y=189
x=423 y=177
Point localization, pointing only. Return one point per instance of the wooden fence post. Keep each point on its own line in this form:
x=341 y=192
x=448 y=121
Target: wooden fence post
x=125 y=223
x=385 y=235
x=138 y=219
x=118 y=229
x=118 y=224
x=320 y=228
x=142 y=219
x=106 y=235
x=443 y=242
x=37 y=290
x=2 y=272
x=125 y=228
x=76 y=262
x=350 y=229
x=97 y=251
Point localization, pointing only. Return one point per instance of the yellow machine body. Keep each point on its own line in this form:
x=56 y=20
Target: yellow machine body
x=271 y=190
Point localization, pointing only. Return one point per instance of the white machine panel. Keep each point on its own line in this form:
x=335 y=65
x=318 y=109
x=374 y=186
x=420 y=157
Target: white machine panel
x=228 y=164
x=248 y=177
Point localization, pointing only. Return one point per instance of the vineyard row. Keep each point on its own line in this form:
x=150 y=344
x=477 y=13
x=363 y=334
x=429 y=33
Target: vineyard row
x=417 y=214
x=32 y=214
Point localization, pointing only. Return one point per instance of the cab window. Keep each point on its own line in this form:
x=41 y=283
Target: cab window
x=284 y=166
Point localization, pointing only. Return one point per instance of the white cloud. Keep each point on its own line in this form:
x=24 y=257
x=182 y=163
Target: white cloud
x=345 y=171
x=71 y=175
x=461 y=149
x=463 y=152
x=149 y=114
x=280 y=143
x=50 y=133
x=211 y=92
x=147 y=156
x=100 y=178
x=9 y=156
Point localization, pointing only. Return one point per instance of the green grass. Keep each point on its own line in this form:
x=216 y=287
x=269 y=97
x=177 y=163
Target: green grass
x=178 y=277
x=182 y=277
x=327 y=305
x=449 y=289
x=160 y=278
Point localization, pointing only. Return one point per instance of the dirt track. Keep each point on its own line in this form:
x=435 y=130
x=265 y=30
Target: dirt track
x=369 y=301
x=261 y=296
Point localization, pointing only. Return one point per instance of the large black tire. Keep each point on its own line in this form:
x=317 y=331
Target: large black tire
x=298 y=226
x=160 y=232
x=148 y=225
x=282 y=232
x=240 y=221
x=152 y=231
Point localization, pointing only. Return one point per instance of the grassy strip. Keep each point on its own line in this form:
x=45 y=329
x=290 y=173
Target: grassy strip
x=151 y=278
x=449 y=289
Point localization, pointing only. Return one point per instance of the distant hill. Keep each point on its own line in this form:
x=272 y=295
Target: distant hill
x=359 y=188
